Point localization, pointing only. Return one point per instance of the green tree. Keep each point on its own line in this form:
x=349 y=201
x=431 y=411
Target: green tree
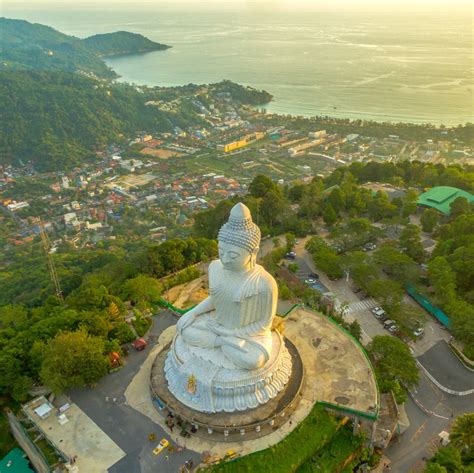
x=443 y=280
x=142 y=289
x=361 y=268
x=396 y=264
x=329 y=214
x=12 y=315
x=336 y=200
x=459 y=206
x=435 y=468
x=329 y=262
x=293 y=267
x=261 y=185
x=462 y=316
x=123 y=333
x=355 y=329
x=410 y=242
x=290 y=241
x=325 y=257
x=410 y=200
x=462 y=263
x=394 y=365
x=429 y=219
x=273 y=207
x=462 y=433
x=310 y=203
x=380 y=207
x=450 y=458
x=73 y=359
x=389 y=293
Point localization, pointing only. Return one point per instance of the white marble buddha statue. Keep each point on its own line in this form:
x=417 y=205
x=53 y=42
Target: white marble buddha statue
x=237 y=315
x=224 y=356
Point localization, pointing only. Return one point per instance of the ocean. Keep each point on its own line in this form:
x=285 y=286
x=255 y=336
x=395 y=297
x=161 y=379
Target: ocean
x=371 y=66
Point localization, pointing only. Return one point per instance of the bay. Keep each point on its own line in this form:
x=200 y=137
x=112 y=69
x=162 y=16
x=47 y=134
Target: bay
x=385 y=67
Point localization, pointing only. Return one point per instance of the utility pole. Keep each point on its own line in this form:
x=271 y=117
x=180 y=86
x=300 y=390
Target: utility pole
x=49 y=257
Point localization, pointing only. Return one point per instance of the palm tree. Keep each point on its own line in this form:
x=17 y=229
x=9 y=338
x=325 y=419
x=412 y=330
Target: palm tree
x=462 y=433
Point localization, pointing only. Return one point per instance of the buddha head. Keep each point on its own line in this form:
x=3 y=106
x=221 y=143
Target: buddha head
x=239 y=240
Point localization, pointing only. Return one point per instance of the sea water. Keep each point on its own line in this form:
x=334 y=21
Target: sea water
x=375 y=66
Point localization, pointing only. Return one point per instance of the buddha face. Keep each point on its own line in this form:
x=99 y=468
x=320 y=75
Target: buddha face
x=234 y=258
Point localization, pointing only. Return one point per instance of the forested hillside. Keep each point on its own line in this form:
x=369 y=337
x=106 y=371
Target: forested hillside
x=121 y=42
x=57 y=119
x=25 y=45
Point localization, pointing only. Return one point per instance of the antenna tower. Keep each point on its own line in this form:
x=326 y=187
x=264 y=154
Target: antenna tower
x=49 y=257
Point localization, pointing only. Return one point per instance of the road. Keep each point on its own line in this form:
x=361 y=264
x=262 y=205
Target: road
x=421 y=439
x=106 y=406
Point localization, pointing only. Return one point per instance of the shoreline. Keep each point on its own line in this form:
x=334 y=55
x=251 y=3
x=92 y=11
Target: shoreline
x=368 y=117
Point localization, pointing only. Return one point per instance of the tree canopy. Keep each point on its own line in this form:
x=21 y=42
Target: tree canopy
x=73 y=359
x=394 y=365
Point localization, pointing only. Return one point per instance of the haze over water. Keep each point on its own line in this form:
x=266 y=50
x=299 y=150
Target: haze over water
x=380 y=66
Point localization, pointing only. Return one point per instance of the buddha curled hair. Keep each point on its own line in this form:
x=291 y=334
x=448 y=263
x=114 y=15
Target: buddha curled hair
x=240 y=230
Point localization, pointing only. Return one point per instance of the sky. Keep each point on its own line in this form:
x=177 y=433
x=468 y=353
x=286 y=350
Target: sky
x=300 y=4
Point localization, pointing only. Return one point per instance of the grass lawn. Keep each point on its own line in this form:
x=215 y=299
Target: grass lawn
x=331 y=458
x=293 y=451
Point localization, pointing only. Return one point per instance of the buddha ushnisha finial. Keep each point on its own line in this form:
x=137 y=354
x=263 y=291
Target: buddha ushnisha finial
x=240 y=230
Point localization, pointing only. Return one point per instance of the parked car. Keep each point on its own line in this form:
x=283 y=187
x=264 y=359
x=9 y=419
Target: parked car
x=310 y=281
x=290 y=255
x=161 y=446
x=378 y=312
x=418 y=332
x=314 y=275
x=390 y=325
x=393 y=328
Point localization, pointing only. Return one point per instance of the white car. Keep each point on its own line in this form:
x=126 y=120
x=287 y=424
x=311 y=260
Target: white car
x=418 y=332
x=310 y=281
x=378 y=312
x=393 y=328
x=390 y=325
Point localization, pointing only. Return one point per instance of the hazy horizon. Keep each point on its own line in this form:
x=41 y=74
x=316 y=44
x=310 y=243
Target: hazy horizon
x=393 y=6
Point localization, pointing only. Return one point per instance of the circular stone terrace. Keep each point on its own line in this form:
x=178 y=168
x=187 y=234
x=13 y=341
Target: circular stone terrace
x=337 y=374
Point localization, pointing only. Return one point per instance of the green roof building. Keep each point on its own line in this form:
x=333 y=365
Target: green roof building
x=441 y=197
x=15 y=462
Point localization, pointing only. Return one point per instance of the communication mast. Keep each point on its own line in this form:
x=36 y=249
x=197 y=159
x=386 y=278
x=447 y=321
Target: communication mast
x=49 y=257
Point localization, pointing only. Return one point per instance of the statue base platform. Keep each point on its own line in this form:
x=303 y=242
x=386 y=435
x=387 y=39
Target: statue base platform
x=247 y=423
x=205 y=380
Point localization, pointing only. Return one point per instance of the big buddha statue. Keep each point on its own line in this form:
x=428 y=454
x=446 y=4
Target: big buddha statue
x=225 y=356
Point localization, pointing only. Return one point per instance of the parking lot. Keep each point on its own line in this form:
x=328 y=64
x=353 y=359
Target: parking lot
x=355 y=307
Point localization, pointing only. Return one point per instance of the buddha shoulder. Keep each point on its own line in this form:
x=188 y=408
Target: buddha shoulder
x=266 y=281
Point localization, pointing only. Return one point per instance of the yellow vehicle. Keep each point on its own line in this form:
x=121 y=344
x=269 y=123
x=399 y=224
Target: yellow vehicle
x=230 y=455
x=161 y=446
